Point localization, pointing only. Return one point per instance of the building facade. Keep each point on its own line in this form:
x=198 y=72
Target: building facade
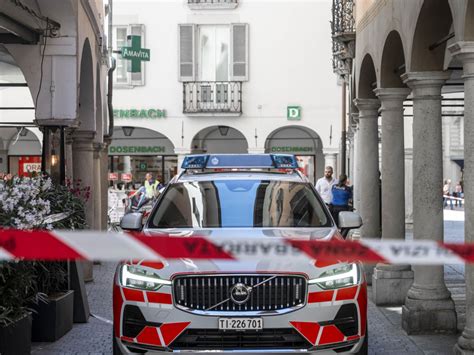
x=53 y=102
x=224 y=77
x=412 y=75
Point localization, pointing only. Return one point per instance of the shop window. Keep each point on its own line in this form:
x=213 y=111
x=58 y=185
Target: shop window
x=123 y=76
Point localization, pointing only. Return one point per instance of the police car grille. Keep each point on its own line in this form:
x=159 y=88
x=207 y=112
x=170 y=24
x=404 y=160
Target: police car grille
x=204 y=292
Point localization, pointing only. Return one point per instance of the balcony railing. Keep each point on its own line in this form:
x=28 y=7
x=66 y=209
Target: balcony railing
x=206 y=4
x=212 y=97
x=343 y=36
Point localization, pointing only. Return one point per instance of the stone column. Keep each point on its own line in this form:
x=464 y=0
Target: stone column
x=127 y=164
x=357 y=160
x=330 y=159
x=464 y=51
x=260 y=150
x=69 y=158
x=96 y=194
x=104 y=178
x=390 y=283
x=83 y=164
x=428 y=306
x=368 y=176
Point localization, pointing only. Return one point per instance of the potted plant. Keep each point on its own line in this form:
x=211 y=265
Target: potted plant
x=17 y=287
x=27 y=203
x=20 y=207
x=53 y=311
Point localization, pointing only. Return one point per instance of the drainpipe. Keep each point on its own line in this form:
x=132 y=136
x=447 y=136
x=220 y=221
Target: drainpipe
x=110 y=75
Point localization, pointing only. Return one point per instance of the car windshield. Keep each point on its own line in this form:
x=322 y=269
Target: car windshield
x=239 y=204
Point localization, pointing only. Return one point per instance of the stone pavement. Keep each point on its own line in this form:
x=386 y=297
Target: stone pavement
x=385 y=333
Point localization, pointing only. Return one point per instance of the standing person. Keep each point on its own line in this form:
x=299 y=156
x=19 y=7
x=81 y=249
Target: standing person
x=459 y=194
x=325 y=184
x=151 y=186
x=341 y=197
x=447 y=193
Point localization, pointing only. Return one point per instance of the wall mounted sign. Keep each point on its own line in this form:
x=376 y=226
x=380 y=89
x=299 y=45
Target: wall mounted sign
x=126 y=177
x=138 y=150
x=293 y=113
x=113 y=176
x=135 y=53
x=142 y=113
x=28 y=165
x=291 y=149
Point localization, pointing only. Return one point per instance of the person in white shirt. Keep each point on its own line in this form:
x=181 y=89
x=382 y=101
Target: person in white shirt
x=324 y=185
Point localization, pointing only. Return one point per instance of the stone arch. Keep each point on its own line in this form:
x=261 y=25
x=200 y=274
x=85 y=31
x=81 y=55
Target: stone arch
x=393 y=62
x=87 y=109
x=219 y=139
x=98 y=106
x=434 y=23
x=367 y=79
x=469 y=22
x=301 y=141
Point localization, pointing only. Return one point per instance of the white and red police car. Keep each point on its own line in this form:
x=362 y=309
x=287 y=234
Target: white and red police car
x=275 y=305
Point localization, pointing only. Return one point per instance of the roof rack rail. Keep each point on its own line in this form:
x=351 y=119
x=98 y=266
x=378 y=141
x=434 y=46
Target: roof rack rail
x=240 y=161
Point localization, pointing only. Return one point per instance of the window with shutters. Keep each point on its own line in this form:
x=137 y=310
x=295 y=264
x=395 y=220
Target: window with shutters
x=212 y=4
x=213 y=63
x=122 y=75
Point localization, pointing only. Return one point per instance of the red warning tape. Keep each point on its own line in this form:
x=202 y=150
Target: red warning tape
x=90 y=245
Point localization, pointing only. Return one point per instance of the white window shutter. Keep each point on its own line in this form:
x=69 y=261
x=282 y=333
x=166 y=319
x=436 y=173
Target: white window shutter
x=186 y=54
x=138 y=79
x=239 y=52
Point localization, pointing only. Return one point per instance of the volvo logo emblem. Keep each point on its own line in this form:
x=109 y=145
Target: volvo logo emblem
x=239 y=293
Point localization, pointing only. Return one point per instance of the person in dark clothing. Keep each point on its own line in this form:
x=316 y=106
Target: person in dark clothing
x=341 y=197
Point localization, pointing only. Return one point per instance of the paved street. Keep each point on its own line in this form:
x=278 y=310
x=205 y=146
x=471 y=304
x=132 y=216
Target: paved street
x=386 y=334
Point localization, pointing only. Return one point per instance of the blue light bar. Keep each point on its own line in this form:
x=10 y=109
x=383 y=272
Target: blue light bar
x=195 y=162
x=240 y=161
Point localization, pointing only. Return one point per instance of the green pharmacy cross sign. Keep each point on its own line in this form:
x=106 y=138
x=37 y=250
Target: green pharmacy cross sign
x=135 y=53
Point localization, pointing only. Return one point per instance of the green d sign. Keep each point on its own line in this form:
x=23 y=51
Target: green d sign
x=293 y=113
x=135 y=53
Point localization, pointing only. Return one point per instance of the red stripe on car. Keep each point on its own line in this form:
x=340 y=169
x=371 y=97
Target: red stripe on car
x=323 y=296
x=118 y=302
x=170 y=331
x=331 y=334
x=149 y=336
x=347 y=293
x=309 y=330
x=133 y=295
x=362 y=301
x=159 y=297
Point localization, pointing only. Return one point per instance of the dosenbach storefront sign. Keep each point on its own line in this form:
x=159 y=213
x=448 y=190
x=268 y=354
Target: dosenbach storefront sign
x=292 y=149
x=130 y=150
x=134 y=113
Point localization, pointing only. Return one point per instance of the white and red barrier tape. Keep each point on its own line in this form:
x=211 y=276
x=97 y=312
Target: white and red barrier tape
x=90 y=245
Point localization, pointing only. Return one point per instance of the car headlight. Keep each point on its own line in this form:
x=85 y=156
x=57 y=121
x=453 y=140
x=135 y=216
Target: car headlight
x=342 y=276
x=134 y=276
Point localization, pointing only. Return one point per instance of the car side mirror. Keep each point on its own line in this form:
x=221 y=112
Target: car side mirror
x=349 y=220
x=132 y=222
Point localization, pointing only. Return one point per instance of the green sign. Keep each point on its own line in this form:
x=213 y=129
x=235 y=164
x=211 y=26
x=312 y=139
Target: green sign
x=135 y=53
x=293 y=113
x=143 y=166
x=292 y=149
x=136 y=149
x=134 y=113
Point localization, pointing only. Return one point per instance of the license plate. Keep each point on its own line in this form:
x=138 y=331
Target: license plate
x=240 y=324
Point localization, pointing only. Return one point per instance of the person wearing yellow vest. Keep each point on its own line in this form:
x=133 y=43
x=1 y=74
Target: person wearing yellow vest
x=151 y=186
x=148 y=191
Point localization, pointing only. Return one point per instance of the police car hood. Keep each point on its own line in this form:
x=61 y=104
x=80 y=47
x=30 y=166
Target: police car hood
x=256 y=255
